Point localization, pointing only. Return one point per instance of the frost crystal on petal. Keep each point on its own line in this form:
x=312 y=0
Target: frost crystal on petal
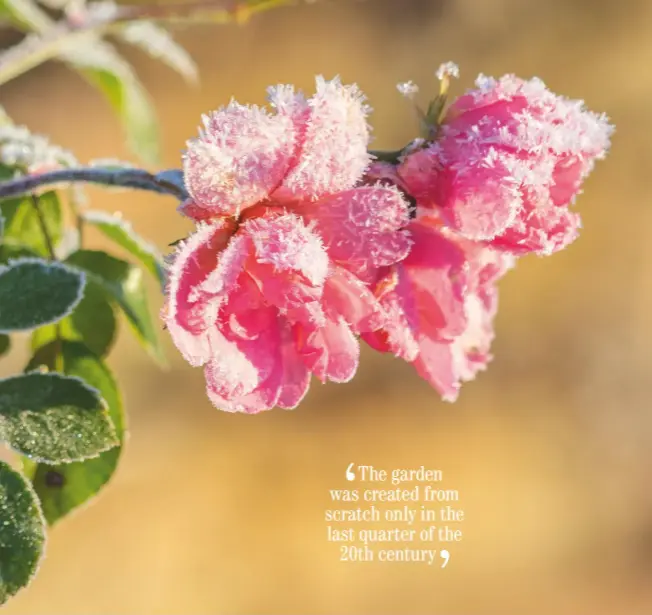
x=242 y=153
x=509 y=160
x=332 y=154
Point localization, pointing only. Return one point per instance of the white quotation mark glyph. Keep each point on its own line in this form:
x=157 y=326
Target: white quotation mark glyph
x=445 y=555
x=349 y=472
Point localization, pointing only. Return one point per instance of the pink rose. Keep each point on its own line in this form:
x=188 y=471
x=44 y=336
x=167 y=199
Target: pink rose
x=508 y=161
x=271 y=287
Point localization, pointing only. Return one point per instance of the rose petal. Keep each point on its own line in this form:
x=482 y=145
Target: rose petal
x=347 y=296
x=362 y=228
x=190 y=317
x=333 y=152
x=240 y=156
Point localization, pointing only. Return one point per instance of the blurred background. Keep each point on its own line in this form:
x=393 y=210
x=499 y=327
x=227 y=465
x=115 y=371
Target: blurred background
x=550 y=449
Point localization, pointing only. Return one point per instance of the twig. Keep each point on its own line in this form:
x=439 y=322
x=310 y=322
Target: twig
x=62 y=36
x=138 y=179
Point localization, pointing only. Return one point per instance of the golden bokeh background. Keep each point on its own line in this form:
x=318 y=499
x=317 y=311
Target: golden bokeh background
x=550 y=449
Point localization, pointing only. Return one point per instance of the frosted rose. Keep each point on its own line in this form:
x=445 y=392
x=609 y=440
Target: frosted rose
x=441 y=301
x=509 y=159
x=271 y=287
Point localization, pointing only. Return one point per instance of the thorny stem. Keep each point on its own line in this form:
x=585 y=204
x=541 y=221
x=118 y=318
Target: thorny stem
x=45 y=45
x=138 y=179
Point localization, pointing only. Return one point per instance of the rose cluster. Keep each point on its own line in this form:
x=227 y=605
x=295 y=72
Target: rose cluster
x=305 y=244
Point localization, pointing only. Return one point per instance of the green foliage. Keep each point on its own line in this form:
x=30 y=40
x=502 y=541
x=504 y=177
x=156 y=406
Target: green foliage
x=24 y=14
x=67 y=418
x=61 y=488
x=54 y=418
x=108 y=72
x=103 y=67
x=22 y=227
x=93 y=321
x=35 y=292
x=122 y=283
x=159 y=44
x=115 y=228
x=5 y=344
x=22 y=532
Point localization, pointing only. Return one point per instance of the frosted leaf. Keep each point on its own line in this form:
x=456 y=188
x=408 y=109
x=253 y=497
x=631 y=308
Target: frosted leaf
x=160 y=45
x=35 y=292
x=20 y=148
x=124 y=284
x=54 y=418
x=22 y=532
x=78 y=482
x=121 y=232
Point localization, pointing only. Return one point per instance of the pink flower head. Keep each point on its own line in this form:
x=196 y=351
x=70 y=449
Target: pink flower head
x=509 y=159
x=271 y=288
x=303 y=243
x=441 y=301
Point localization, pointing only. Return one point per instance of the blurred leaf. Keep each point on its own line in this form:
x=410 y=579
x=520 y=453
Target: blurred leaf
x=160 y=45
x=5 y=344
x=22 y=532
x=5 y=120
x=123 y=283
x=61 y=488
x=35 y=292
x=21 y=223
x=103 y=67
x=120 y=231
x=92 y=322
x=25 y=14
x=12 y=251
x=54 y=418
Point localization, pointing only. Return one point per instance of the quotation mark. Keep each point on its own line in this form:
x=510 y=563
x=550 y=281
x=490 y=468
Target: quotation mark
x=349 y=472
x=445 y=555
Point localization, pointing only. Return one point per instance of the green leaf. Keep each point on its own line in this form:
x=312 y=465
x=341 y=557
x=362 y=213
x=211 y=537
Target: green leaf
x=34 y=292
x=54 y=418
x=62 y=488
x=123 y=283
x=22 y=532
x=25 y=14
x=120 y=231
x=21 y=222
x=93 y=322
x=107 y=70
x=104 y=68
x=5 y=344
x=13 y=251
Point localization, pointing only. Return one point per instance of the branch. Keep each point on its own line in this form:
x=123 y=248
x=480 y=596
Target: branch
x=36 y=48
x=166 y=182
